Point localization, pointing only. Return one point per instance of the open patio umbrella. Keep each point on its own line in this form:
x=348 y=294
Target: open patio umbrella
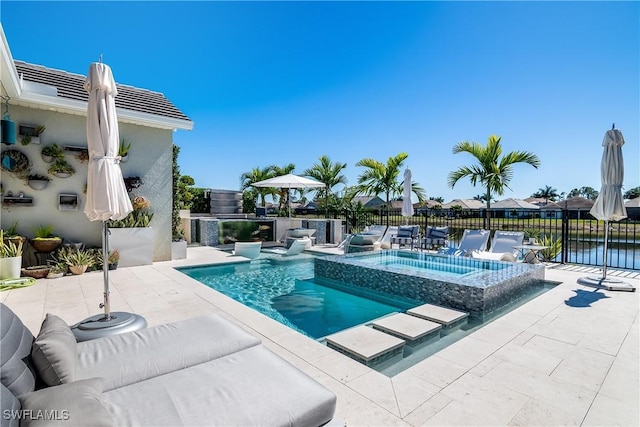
x=609 y=205
x=289 y=181
x=407 y=206
x=107 y=196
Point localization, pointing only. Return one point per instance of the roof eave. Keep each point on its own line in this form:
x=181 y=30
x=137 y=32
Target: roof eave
x=72 y=106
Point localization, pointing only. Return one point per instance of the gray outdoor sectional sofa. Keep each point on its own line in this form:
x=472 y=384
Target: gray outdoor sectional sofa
x=202 y=371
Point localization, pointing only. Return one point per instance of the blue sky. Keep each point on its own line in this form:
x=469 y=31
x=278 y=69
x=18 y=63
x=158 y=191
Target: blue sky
x=286 y=82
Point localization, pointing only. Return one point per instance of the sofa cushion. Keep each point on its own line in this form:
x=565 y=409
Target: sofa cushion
x=74 y=404
x=437 y=233
x=248 y=388
x=136 y=356
x=54 y=351
x=15 y=351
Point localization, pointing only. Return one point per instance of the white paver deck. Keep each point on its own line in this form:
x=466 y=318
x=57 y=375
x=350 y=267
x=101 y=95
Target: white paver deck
x=408 y=327
x=365 y=342
x=568 y=357
x=436 y=313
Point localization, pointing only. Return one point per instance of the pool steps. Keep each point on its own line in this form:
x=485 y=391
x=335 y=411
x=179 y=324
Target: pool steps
x=386 y=337
x=447 y=317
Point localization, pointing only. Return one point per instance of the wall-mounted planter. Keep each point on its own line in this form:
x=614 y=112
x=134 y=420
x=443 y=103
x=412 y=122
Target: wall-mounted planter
x=61 y=174
x=134 y=244
x=47 y=159
x=67 y=202
x=38 y=184
x=17 y=201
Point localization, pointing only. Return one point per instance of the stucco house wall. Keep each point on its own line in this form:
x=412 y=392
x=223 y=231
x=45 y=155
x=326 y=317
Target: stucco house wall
x=146 y=119
x=150 y=158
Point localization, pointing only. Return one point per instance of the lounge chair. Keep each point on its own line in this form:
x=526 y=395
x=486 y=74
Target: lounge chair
x=297 y=247
x=249 y=250
x=472 y=240
x=406 y=235
x=201 y=371
x=502 y=246
x=436 y=237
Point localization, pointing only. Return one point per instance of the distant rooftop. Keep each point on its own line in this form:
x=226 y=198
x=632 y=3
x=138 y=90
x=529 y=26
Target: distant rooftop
x=71 y=86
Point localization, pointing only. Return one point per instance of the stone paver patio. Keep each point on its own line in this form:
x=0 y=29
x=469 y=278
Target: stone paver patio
x=568 y=357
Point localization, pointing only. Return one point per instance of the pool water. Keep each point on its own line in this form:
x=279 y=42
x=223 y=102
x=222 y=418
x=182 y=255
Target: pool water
x=428 y=263
x=286 y=291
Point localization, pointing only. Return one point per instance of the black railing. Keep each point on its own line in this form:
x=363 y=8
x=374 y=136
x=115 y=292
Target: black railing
x=574 y=235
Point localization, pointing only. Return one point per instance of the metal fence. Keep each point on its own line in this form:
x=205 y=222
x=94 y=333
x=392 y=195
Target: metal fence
x=577 y=236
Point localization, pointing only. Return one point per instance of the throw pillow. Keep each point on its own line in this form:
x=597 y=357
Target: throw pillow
x=404 y=231
x=74 y=404
x=54 y=351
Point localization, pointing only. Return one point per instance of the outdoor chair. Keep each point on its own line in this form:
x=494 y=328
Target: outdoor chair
x=297 y=247
x=435 y=237
x=249 y=250
x=502 y=246
x=472 y=240
x=406 y=235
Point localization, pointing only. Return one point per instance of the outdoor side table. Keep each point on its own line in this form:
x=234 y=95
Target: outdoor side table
x=530 y=253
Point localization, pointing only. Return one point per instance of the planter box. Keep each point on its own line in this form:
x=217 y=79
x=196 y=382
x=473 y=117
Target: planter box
x=134 y=244
x=179 y=250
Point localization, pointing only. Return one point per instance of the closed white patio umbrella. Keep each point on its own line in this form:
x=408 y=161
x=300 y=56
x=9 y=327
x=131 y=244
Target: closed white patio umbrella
x=609 y=205
x=407 y=206
x=289 y=181
x=107 y=196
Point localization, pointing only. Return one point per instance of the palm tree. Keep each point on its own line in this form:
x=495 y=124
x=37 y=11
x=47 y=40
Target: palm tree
x=283 y=193
x=330 y=174
x=547 y=193
x=492 y=171
x=257 y=174
x=380 y=178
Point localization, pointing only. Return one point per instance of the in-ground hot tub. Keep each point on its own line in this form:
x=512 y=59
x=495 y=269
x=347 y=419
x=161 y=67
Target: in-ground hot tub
x=476 y=286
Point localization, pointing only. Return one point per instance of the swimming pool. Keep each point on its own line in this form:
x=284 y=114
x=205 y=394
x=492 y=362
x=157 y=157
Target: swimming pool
x=468 y=284
x=291 y=291
x=284 y=289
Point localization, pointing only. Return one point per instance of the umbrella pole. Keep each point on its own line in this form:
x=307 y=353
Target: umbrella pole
x=604 y=259
x=105 y=270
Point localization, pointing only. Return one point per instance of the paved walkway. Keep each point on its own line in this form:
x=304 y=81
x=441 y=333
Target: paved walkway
x=569 y=357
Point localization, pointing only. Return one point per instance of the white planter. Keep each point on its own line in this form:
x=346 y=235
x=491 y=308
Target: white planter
x=10 y=267
x=134 y=244
x=179 y=250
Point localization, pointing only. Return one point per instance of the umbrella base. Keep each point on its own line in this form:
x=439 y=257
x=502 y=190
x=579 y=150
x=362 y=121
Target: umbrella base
x=99 y=327
x=610 y=284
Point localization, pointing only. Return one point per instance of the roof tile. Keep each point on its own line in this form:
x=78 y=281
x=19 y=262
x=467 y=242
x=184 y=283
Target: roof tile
x=71 y=86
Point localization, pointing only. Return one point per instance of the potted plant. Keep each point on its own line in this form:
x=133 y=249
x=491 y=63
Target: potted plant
x=61 y=168
x=78 y=260
x=57 y=269
x=11 y=235
x=37 y=181
x=123 y=151
x=114 y=257
x=45 y=241
x=26 y=140
x=10 y=258
x=51 y=152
